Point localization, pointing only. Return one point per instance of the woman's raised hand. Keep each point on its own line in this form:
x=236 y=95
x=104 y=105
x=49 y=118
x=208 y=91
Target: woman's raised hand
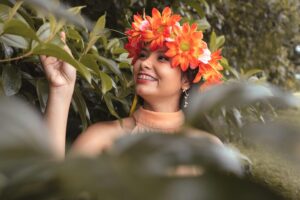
x=60 y=74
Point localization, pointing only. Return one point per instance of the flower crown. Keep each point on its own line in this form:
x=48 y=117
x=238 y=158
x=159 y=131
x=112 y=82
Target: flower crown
x=184 y=44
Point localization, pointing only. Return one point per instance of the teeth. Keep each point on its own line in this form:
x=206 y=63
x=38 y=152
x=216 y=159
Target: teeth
x=145 y=77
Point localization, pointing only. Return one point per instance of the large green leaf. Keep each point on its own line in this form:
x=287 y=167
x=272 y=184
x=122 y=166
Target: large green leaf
x=14 y=41
x=106 y=82
x=90 y=61
x=11 y=80
x=56 y=51
x=42 y=90
x=17 y=27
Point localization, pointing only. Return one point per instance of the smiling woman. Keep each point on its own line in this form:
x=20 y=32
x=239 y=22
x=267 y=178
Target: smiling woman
x=163 y=53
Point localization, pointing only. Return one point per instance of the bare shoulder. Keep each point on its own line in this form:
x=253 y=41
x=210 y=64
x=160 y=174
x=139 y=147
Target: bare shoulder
x=192 y=132
x=100 y=136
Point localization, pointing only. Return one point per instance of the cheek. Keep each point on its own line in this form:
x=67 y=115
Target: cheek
x=135 y=70
x=171 y=77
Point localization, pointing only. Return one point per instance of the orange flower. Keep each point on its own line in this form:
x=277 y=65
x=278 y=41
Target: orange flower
x=160 y=27
x=210 y=72
x=186 y=47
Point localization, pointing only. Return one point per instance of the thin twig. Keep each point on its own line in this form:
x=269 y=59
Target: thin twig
x=16 y=58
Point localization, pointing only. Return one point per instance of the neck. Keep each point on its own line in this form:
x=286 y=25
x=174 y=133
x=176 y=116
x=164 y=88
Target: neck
x=162 y=106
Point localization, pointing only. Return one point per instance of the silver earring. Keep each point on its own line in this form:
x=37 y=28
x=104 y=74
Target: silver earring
x=186 y=95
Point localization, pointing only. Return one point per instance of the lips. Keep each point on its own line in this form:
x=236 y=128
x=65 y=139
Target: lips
x=145 y=76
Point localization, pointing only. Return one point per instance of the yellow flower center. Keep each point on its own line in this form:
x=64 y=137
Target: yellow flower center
x=184 y=46
x=160 y=29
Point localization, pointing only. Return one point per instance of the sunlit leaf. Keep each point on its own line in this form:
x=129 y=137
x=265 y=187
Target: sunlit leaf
x=96 y=33
x=106 y=82
x=17 y=27
x=220 y=41
x=213 y=41
x=11 y=80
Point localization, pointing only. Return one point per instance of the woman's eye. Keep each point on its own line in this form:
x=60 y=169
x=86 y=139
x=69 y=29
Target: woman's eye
x=142 y=55
x=163 y=58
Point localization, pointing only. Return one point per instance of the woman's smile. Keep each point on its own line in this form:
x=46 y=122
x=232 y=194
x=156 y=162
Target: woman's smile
x=144 y=77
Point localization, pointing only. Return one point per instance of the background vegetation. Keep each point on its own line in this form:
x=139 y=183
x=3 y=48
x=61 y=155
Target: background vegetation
x=258 y=40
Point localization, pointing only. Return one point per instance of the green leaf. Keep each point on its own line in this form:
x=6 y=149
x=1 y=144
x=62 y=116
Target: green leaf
x=81 y=107
x=96 y=33
x=14 y=41
x=76 y=10
x=106 y=82
x=44 y=33
x=112 y=65
x=11 y=80
x=17 y=27
x=90 y=61
x=13 y=11
x=203 y=24
x=220 y=41
x=119 y=50
x=197 y=7
x=213 y=42
x=226 y=66
x=113 y=43
x=42 y=90
x=99 y=27
x=251 y=72
x=56 y=51
x=109 y=105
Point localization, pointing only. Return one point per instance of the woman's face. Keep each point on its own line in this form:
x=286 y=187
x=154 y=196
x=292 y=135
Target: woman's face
x=154 y=76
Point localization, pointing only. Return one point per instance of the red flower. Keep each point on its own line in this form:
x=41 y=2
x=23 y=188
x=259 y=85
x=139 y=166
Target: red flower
x=133 y=47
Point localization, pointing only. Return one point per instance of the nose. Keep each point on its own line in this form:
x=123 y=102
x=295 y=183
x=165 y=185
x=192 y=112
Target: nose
x=147 y=63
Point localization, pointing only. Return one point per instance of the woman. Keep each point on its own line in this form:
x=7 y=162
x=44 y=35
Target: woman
x=163 y=52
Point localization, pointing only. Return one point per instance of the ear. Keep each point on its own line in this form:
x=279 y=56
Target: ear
x=185 y=83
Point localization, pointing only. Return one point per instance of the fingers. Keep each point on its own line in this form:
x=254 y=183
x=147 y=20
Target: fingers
x=63 y=39
x=63 y=36
x=43 y=58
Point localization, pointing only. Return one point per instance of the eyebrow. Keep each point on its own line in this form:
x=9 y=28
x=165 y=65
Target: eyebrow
x=148 y=50
x=144 y=49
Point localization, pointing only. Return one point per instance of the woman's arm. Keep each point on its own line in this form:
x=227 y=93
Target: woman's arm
x=61 y=77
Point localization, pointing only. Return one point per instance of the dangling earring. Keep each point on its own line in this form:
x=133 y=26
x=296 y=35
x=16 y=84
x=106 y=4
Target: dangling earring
x=186 y=95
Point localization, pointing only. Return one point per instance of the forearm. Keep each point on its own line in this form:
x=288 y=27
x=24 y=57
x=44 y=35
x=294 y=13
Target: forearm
x=56 y=116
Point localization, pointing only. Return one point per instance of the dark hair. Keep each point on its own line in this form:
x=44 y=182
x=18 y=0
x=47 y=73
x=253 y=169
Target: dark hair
x=190 y=74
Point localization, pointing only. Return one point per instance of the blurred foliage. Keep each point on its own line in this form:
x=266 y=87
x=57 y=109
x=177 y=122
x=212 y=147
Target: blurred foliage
x=140 y=166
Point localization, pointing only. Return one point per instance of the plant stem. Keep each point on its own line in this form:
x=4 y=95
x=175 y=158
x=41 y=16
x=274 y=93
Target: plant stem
x=16 y=58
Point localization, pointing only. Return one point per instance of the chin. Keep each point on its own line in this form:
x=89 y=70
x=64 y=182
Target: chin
x=145 y=93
